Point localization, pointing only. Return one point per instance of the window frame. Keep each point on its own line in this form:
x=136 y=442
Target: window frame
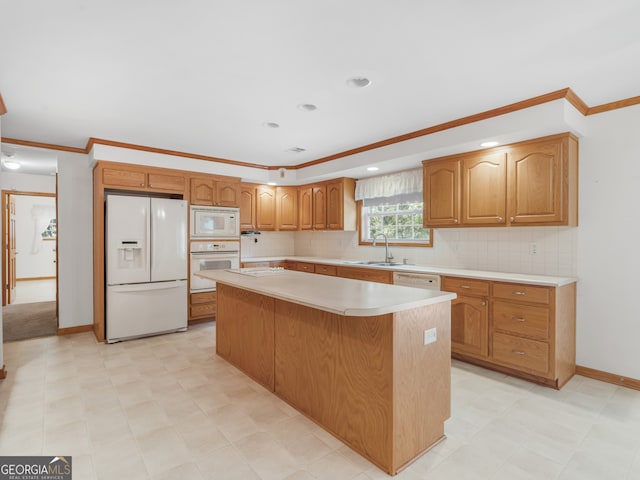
x=395 y=243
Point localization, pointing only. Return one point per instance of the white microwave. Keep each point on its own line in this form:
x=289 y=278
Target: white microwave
x=215 y=222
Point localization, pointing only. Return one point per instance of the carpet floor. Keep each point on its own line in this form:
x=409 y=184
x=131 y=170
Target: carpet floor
x=29 y=320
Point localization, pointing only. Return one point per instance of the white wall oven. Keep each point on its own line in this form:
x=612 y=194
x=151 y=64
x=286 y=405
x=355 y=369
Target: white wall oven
x=212 y=255
x=215 y=222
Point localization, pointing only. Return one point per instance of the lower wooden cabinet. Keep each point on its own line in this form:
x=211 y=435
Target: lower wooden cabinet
x=524 y=330
x=202 y=306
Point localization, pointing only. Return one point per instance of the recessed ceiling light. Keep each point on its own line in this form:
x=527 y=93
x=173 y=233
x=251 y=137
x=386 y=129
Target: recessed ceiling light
x=271 y=125
x=297 y=149
x=373 y=169
x=307 y=107
x=489 y=144
x=358 y=82
x=11 y=165
x=273 y=184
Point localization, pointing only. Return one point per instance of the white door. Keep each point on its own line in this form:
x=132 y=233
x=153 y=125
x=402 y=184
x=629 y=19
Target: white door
x=168 y=239
x=127 y=232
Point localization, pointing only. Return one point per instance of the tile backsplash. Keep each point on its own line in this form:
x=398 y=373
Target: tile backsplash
x=535 y=250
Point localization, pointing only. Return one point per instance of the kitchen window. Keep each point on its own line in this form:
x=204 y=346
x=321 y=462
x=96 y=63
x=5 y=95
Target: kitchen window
x=392 y=205
x=400 y=222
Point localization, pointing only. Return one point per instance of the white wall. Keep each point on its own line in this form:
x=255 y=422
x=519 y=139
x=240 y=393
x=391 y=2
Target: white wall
x=75 y=240
x=35 y=256
x=608 y=258
x=28 y=183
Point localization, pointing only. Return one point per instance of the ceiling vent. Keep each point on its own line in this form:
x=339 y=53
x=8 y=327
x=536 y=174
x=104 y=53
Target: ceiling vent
x=297 y=150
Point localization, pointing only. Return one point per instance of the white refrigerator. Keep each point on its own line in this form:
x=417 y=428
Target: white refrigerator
x=146 y=266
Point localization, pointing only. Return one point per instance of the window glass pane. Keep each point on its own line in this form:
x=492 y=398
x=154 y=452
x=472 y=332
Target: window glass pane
x=399 y=222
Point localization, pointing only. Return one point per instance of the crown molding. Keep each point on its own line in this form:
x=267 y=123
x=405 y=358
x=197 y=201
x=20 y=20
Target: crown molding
x=565 y=93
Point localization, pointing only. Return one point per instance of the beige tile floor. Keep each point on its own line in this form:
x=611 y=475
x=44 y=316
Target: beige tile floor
x=167 y=408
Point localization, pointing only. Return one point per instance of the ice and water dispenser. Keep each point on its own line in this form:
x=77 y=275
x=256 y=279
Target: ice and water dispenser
x=130 y=254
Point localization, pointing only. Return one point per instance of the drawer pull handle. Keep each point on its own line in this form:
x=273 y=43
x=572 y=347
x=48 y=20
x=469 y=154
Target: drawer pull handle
x=518 y=352
x=512 y=219
x=500 y=219
x=465 y=286
x=518 y=319
x=519 y=293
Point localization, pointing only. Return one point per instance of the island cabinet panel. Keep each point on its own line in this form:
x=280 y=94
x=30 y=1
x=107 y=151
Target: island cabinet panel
x=336 y=370
x=422 y=402
x=244 y=324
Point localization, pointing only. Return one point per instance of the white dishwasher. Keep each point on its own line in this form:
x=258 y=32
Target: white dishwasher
x=417 y=280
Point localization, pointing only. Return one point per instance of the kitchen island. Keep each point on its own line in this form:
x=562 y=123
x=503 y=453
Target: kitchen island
x=368 y=362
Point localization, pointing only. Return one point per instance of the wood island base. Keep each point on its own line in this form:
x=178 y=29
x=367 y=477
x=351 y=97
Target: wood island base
x=369 y=381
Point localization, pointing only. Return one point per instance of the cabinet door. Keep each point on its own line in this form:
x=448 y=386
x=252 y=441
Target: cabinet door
x=484 y=188
x=305 y=199
x=265 y=208
x=469 y=326
x=123 y=178
x=538 y=189
x=202 y=191
x=320 y=207
x=227 y=194
x=287 y=208
x=172 y=183
x=335 y=213
x=247 y=207
x=441 y=193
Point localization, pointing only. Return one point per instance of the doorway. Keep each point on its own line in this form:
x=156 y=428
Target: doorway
x=30 y=273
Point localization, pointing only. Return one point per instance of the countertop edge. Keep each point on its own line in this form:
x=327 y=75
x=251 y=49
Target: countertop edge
x=531 y=279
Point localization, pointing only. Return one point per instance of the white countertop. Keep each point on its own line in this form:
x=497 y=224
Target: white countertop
x=545 y=280
x=342 y=296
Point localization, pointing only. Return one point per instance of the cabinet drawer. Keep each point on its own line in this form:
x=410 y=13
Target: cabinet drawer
x=203 y=310
x=521 y=319
x=326 y=269
x=466 y=286
x=203 y=297
x=521 y=353
x=305 y=267
x=522 y=293
x=366 y=274
x=255 y=265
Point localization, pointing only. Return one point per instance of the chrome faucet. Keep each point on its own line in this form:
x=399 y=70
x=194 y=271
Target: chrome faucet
x=387 y=254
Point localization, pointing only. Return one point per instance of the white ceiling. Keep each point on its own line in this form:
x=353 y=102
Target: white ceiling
x=202 y=76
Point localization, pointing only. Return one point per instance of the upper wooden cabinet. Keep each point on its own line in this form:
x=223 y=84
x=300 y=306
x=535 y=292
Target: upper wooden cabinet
x=543 y=182
x=328 y=205
x=141 y=178
x=441 y=188
x=248 y=220
x=287 y=208
x=319 y=195
x=207 y=191
x=527 y=183
x=265 y=207
x=484 y=181
x=305 y=200
x=341 y=205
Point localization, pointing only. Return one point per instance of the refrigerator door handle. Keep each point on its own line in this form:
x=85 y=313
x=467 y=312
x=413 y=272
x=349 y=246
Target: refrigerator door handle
x=145 y=287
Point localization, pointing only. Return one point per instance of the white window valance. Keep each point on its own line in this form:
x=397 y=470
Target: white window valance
x=400 y=187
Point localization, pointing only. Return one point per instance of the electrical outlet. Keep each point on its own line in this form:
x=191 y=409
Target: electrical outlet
x=533 y=248
x=430 y=336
